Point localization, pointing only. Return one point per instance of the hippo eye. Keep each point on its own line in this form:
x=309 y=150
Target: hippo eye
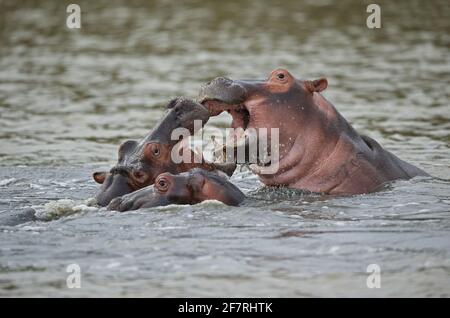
x=162 y=184
x=280 y=76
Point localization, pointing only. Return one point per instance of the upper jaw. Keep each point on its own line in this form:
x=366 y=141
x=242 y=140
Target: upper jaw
x=218 y=102
x=222 y=90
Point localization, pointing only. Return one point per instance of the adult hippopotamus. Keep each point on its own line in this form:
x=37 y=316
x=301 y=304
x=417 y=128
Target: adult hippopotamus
x=139 y=163
x=319 y=150
x=191 y=187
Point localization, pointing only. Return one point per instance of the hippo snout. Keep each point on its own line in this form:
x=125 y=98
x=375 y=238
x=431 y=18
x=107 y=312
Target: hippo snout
x=115 y=185
x=115 y=204
x=222 y=89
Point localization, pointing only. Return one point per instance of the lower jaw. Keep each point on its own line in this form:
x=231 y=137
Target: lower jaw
x=241 y=147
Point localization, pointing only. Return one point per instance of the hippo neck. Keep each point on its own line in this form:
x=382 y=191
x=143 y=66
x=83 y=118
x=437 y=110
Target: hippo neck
x=324 y=125
x=332 y=116
x=326 y=140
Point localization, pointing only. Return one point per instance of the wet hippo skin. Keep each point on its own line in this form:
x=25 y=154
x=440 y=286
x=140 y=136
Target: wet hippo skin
x=319 y=150
x=189 y=187
x=139 y=163
x=14 y=218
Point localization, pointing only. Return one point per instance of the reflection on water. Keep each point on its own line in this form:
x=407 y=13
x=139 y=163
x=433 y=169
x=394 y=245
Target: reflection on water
x=69 y=97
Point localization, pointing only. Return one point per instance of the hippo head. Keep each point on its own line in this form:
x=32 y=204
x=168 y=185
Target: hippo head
x=190 y=187
x=139 y=163
x=138 y=166
x=280 y=101
x=119 y=180
x=197 y=185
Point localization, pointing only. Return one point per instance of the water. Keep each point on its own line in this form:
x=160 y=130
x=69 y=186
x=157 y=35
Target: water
x=69 y=97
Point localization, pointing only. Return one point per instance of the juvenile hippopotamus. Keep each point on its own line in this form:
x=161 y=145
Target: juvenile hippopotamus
x=139 y=163
x=191 y=187
x=319 y=150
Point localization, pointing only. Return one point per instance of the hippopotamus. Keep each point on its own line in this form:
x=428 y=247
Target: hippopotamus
x=319 y=151
x=139 y=163
x=13 y=218
x=191 y=187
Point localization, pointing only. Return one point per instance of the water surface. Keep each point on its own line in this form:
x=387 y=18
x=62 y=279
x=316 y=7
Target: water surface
x=69 y=97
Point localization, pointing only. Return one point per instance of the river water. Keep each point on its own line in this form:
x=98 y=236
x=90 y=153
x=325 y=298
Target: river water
x=69 y=97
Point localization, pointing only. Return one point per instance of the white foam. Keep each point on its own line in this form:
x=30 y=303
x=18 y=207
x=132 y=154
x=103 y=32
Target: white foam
x=56 y=209
x=36 y=186
x=6 y=182
x=212 y=203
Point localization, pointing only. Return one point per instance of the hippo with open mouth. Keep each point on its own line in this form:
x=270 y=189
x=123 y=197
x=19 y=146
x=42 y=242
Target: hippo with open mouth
x=189 y=187
x=139 y=163
x=318 y=149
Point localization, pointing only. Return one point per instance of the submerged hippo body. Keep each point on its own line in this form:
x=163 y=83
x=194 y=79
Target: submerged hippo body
x=139 y=163
x=190 y=187
x=319 y=150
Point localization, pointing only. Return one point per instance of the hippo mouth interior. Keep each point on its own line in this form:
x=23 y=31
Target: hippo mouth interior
x=240 y=119
x=239 y=112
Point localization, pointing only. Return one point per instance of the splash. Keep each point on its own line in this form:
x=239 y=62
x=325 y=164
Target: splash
x=56 y=209
x=6 y=182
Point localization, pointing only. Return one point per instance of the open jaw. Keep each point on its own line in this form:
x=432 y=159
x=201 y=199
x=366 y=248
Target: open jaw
x=239 y=112
x=236 y=148
x=223 y=94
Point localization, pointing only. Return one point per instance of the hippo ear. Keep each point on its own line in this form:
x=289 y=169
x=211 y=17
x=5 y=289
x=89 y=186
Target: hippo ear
x=195 y=184
x=317 y=85
x=99 y=176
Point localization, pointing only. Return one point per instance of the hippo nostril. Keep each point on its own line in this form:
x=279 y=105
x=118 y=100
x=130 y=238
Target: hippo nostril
x=114 y=204
x=139 y=176
x=221 y=81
